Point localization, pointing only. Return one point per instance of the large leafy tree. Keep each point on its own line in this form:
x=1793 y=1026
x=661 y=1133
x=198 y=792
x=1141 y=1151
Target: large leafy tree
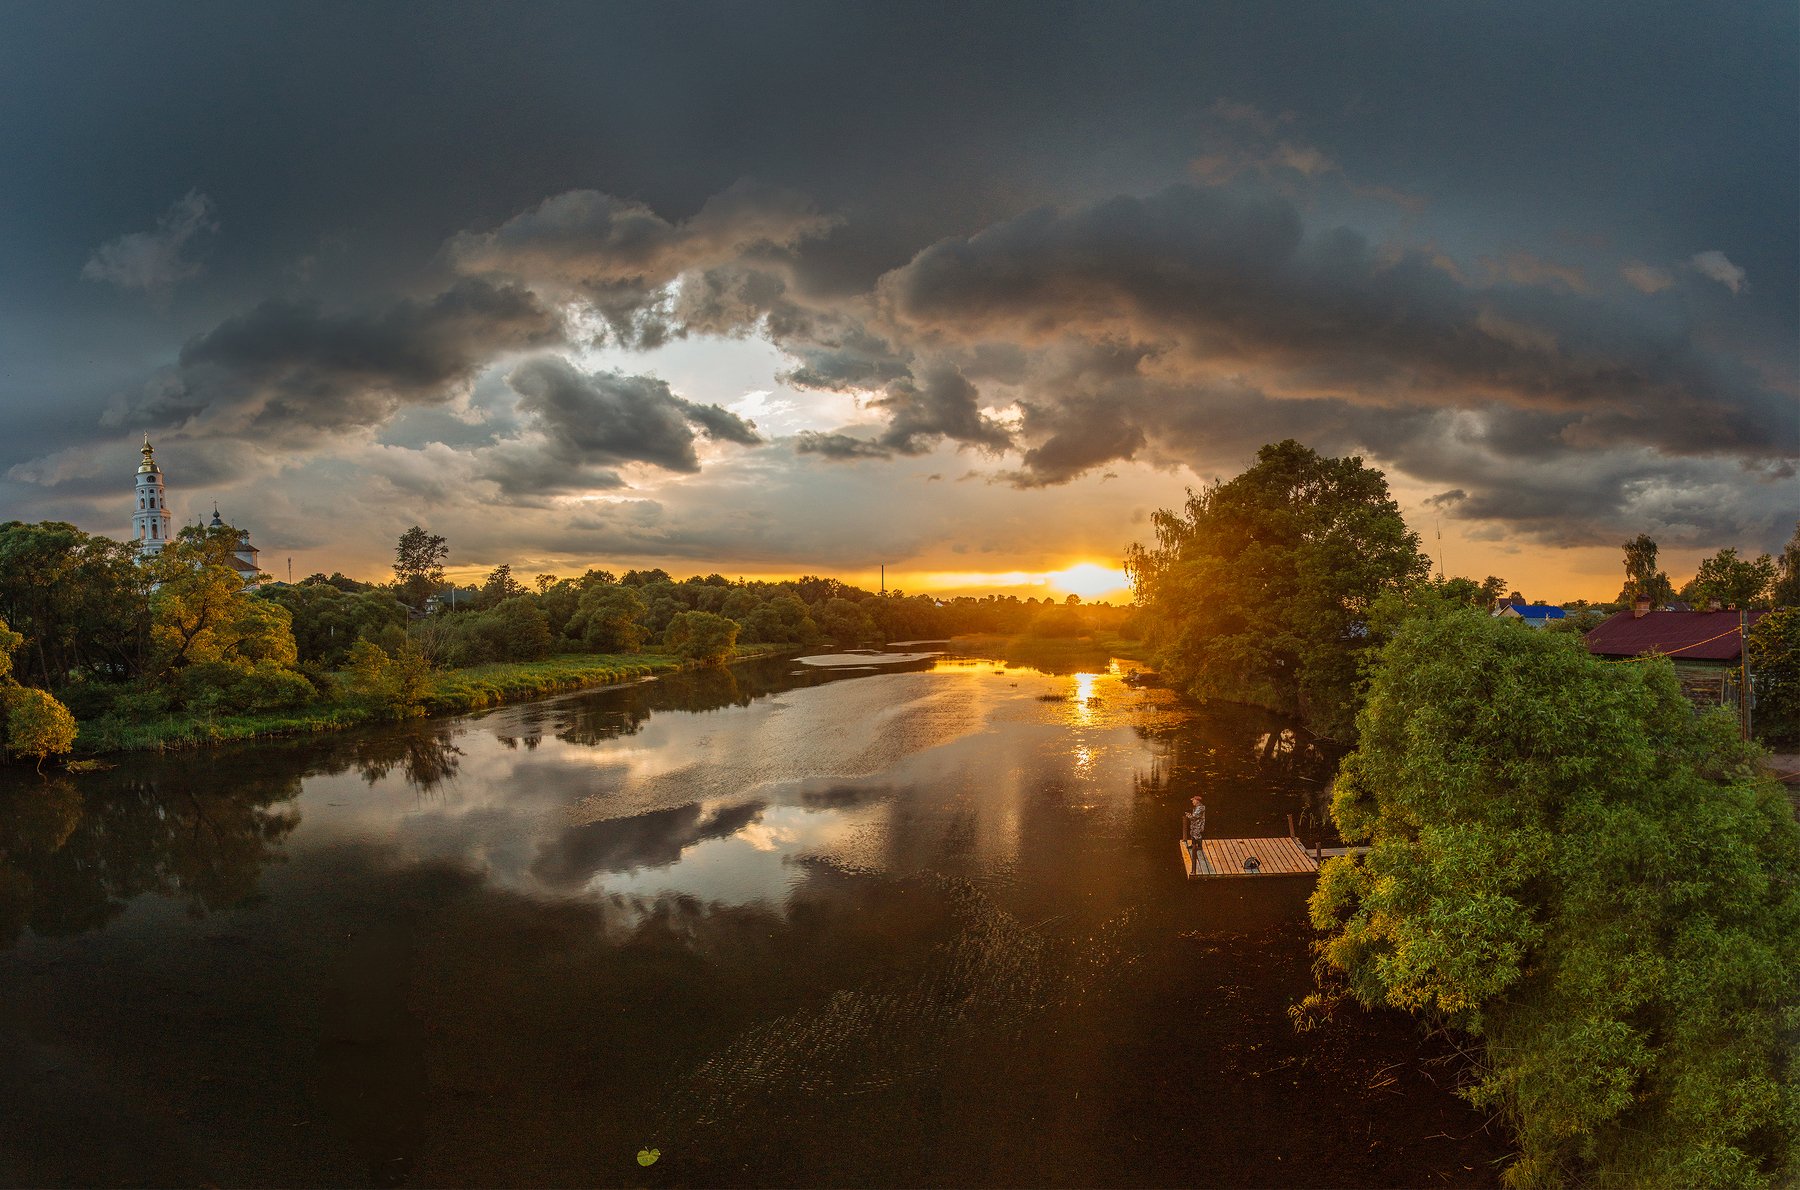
x=419 y=565
x=1732 y=581
x=81 y=601
x=201 y=614
x=1572 y=865
x=1259 y=590
x=1642 y=578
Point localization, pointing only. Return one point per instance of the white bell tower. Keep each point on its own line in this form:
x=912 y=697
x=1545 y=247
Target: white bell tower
x=150 y=523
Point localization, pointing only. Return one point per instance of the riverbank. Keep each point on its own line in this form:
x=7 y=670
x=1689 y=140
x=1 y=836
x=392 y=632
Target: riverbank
x=450 y=691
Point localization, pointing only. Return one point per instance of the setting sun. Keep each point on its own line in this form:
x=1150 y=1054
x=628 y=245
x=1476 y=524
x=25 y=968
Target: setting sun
x=1091 y=580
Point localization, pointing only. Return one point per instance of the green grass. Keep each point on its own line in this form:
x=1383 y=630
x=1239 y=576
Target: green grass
x=513 y=681
x=451 y=691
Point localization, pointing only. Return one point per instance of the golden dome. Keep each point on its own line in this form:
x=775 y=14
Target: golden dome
x=149 y=464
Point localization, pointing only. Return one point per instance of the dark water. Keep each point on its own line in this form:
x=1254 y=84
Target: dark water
x=882 y=928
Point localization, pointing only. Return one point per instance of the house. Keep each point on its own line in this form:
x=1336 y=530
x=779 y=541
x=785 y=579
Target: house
x=1700 y=638
x=1706 y=647
x=1535 y=615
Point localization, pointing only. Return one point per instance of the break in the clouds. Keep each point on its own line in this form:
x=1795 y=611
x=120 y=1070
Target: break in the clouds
x=526 y=270
x=156 y=261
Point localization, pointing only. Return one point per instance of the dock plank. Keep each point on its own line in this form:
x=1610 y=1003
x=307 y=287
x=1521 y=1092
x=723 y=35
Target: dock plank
x=1278 y=855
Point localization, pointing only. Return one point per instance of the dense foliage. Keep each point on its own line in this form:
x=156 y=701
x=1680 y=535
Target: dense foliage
x=1773 y=651
x=1573 y=866
x=1731 y=581
x=32 y=723
x=1259 y=591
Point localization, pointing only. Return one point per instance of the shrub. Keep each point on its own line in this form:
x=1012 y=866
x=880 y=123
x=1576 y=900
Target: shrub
x=701 y=636
x=37 y=725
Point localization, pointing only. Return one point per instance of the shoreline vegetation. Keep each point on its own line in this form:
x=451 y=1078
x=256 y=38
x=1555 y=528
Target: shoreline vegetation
x=448 y=692
x=475 y=687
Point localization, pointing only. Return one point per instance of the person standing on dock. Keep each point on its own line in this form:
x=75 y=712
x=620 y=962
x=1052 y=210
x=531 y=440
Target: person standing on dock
x=1196 y=823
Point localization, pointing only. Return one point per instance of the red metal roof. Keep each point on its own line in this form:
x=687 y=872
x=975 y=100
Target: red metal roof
x=1686 y=636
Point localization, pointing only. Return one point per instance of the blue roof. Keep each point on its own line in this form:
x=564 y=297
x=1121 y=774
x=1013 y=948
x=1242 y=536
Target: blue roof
x=1539 y=611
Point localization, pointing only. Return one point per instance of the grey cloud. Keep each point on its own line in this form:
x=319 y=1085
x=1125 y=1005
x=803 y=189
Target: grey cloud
x=720 y=424
x=1076 y=436
x=1211 y=287
x=289 y=371
x=621 y=255
x=838 y=447
x=155 y=261
x=609 y=418
x=941 y=403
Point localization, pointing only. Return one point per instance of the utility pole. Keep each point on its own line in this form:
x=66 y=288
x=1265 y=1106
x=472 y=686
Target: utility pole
x=884 y=578
x=1744 y=670
x=290 y=572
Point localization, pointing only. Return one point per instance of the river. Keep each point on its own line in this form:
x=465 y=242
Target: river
x=781 y=925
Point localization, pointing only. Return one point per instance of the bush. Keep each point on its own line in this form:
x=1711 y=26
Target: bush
x=37 y=725
x=384 y=684
x=701 y=636
x=270 y=687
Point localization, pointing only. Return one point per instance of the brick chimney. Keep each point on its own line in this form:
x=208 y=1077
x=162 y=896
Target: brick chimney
x=1640 y=607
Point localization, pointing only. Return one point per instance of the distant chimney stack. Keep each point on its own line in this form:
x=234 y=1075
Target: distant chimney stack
x=1640 y=607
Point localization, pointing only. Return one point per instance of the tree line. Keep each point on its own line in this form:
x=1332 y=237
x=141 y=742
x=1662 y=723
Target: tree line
x=91 y=631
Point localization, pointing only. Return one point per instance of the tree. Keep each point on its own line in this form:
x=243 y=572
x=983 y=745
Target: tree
x=1773 y=652
x=1259 y=591
x=419 y=565
x=845 y=622
x=701 y=636
x=201 y=613
x=1734 y=582
x=394 y=684
x=1786 y=592
x=81 y=601
x=1572 y=866
x=609 y=619
x=499 y=584
x=1491 y=589
x=1642 y=578
x=36 y=724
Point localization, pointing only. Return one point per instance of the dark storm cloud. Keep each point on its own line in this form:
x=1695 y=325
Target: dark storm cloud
x=287 y=371
x=940 y=404
x=1217 y=287
x=608 y=418
x=621 y=254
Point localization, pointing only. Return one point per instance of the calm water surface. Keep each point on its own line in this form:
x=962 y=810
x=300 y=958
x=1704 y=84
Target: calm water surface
x=785 y=926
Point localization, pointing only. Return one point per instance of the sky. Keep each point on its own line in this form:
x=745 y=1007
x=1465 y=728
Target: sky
x=968 y=291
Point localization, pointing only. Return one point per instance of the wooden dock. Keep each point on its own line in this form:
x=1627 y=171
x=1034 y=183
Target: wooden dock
x=1225 y=857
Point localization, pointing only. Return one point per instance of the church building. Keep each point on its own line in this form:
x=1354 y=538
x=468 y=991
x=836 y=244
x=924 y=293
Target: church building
x=150 y=524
